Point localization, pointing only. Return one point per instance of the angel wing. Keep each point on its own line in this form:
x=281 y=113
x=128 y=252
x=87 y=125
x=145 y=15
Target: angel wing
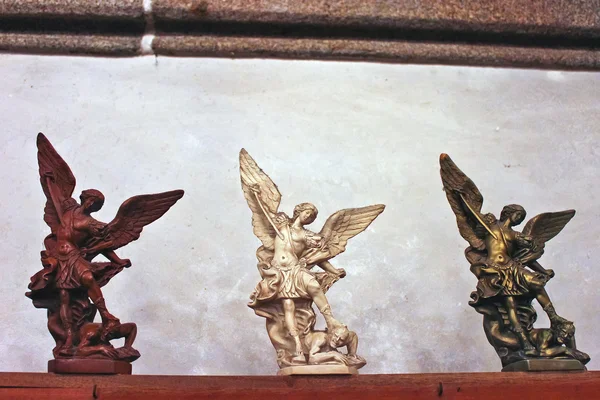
x=544 y=227
x=52 y=166
x=539 y=230
x=456 y=183
x=253 y=176
x=133 y=215
x=339 y=228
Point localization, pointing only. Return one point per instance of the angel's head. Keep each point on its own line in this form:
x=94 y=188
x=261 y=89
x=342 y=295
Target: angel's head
x=513 y=212
x=307 y=213
x=92 y=200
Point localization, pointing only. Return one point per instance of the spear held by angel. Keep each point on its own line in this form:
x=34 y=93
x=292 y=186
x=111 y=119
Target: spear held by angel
x=76 y=238
x=290 y=251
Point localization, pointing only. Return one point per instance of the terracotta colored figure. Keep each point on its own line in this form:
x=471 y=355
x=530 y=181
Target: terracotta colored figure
x=509 y=276
x=288 y=287
x=70 y=278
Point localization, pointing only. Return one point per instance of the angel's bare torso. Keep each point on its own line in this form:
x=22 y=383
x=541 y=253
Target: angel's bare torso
x=500 y=249
x=287 y=250
x=77 y=228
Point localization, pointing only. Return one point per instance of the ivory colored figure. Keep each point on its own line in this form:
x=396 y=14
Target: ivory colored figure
x=288 y=287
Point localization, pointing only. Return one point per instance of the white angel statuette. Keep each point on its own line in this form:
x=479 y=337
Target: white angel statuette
x=288 y=287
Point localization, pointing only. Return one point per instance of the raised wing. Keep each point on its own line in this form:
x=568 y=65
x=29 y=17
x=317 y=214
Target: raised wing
x=544 y=227
x=456 y=183
x=52 y=166
x=133 y=215
x=339 y=228
x=253 y=176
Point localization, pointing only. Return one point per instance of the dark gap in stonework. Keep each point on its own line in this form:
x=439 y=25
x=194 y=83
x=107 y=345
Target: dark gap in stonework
x=74 y=25
x=520 y=36
x=424 y=31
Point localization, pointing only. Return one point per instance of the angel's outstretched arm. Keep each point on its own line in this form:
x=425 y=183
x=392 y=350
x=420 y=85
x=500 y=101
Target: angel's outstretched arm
x=114 y=258
x=269 y=215
x=478 y=216
x=530 y=253
x=327 y=267
x=534 y=265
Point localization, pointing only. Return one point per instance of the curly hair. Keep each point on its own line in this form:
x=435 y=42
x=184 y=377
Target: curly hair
x=510 y=209
x=93 y=194
x=303 y=207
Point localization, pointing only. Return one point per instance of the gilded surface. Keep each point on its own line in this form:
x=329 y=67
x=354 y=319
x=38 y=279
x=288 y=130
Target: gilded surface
x=505 y=262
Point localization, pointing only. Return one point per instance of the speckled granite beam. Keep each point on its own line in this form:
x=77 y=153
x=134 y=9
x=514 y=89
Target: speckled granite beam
x=378 y=51
x=102 y=27
x=553 y=34
x=556 y=17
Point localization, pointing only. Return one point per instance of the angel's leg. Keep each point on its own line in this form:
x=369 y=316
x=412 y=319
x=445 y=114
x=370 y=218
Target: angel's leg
x=544 y=300
x=511 y=310
x=548 y=307
x=66 y=317
x=318 y=297
x=289 y=313
x=109 y=321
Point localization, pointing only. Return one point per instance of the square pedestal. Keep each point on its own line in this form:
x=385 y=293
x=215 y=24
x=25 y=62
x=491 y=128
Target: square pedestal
x=318 y=370
x=545 y=364
x=88 y=366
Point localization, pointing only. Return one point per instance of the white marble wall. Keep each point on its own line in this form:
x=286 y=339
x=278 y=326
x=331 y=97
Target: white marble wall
x=336 y=134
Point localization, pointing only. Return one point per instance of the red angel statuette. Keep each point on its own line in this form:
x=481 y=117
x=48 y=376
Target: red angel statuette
x=70 y=278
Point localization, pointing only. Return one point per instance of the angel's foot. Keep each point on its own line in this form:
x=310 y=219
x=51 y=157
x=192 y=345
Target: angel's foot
x=553 y=316
x=104 y=314
x=558 y=321
x=332 y=324
x=107 y=317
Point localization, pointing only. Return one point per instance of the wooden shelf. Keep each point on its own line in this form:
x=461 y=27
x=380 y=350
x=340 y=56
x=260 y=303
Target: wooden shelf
x=501 y=386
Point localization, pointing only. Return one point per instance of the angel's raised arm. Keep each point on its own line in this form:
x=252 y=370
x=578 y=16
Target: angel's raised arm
x=263 y=198
x=56 y=179
x=268 y=214
x=465 y=200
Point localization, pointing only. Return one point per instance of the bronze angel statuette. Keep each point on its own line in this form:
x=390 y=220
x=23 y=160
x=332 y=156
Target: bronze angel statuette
x=70 y=277
x=288 y=287
x=505 y=262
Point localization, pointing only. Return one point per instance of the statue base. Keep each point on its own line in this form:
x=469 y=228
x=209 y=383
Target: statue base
x=89 y=366
x=545 y=364
x=318 y=370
